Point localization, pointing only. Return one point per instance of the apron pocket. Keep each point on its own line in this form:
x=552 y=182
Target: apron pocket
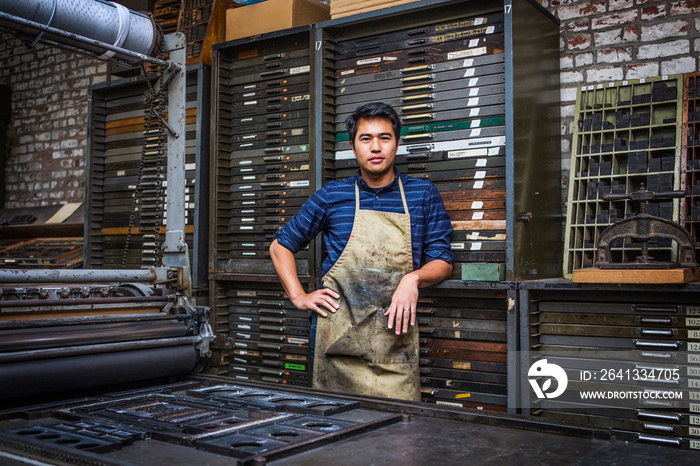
x=370 y=340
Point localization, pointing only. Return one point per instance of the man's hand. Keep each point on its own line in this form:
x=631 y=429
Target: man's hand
x=402 y=310
x=403 y=304
x=316 y=301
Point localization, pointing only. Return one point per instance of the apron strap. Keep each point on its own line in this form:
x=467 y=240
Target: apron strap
x=403 y=196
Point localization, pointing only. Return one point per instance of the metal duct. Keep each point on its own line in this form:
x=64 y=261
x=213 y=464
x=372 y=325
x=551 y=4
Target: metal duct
x=98 y=20
x=29 y=378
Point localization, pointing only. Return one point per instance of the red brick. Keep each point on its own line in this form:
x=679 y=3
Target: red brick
x=684 y=8
x=653 y=12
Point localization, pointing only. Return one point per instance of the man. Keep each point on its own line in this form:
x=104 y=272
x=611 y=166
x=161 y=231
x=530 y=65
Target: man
x=379 y=227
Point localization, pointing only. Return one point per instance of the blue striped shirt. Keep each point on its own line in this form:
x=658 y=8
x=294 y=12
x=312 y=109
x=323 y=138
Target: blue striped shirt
x=331 y=210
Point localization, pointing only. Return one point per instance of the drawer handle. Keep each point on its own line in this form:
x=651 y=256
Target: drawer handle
x=659 y=416
x=657 y=344
x=420 y=116
x=411 y=137
x=658 y=332
x=273 y=56
x=658 y=427
x=271 y=73
x=419 y=155
x=664 y=441
x=418 y=42
x=637 y=308
x=656 y=320
x=273 y=158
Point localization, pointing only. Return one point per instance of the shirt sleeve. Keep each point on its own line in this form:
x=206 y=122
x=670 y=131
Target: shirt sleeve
x=438 y=229
x=306 y=224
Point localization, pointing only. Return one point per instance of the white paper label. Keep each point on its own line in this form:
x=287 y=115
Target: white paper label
x=476 y=247
x=369 y=61
x=474 y=236
x=458 y=246
x=481 y=162
x=475 y=133
x=300 y=69
x=478 y=185
x=490 y=29
x=469 y=72
x=474 y=112
x=473 y=43
x=298 y=184
x=473 y=102
x=477 y=205
x=473 y=82
x=476 y=123
x=480 y=174
x=466 y=53
x=477 y=216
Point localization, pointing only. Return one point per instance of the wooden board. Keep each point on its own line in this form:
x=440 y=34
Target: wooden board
x=641 y=276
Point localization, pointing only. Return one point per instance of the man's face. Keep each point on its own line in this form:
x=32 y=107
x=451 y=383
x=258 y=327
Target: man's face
x=375 y=148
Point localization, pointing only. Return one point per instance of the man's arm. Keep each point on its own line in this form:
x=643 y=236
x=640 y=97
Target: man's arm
x=405 y=300
x=286 y=268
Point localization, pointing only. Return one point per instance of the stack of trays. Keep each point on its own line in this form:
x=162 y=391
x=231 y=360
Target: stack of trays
x=447 y=82
x=271 y=336
x=117 y=139
x=631 y=356
x=265 y=108
x=463 y=348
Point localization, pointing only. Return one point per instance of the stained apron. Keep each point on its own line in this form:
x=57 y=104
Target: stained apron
x=355 y=351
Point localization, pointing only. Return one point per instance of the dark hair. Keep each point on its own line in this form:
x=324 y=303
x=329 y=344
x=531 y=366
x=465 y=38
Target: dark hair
x=373 y=110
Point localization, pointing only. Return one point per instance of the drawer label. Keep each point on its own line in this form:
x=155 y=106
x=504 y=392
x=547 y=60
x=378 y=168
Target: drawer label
x=694 y=420
x=695 y=444
x=692 y=321
x=692 y=310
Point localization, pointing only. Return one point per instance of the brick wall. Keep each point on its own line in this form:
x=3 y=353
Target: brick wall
x=45 y=164
x=612 y=40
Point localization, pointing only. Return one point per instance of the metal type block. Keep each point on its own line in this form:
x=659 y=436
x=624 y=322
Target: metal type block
x=434 y=53
x=467 y=68
x=464 y=365
x=280 y=73
x=417 y=37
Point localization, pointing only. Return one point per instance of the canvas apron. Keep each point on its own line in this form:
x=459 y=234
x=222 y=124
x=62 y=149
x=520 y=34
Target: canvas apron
x=355 y=352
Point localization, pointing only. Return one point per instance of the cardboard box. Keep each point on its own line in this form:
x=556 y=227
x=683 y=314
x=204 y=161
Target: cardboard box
x=273 y=15
x=341 y=8
x=483 y=272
